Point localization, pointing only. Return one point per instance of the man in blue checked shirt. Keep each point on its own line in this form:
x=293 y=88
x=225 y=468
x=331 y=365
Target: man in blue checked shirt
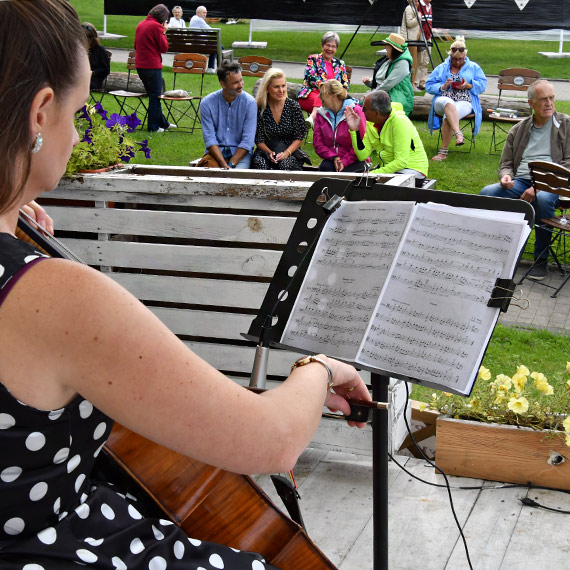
x=229 y=120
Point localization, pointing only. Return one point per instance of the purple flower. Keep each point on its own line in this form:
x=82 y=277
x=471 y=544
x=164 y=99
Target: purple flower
x=100 y=111
x=128 y=153
x=86 y=136
x=144 y=148
x=116 y=119
x=132 y=122
x=84 y=114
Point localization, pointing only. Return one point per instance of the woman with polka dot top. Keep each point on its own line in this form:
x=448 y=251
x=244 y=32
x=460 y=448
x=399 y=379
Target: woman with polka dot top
x=280 y=125
x=78 y=352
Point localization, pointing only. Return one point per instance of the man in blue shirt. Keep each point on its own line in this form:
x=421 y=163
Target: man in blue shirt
x=229 y=120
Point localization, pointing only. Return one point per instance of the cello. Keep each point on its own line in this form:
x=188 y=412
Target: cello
x=206 y=502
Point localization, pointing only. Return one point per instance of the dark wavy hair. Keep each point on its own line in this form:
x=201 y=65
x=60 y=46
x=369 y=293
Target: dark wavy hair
x=160 y=13
x=41 y=43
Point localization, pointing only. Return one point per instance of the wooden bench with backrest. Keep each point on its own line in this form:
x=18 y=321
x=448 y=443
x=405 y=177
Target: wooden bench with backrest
x=198 y=40
x=198 y=247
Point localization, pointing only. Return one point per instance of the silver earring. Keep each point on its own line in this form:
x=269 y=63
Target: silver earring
x=38 y=142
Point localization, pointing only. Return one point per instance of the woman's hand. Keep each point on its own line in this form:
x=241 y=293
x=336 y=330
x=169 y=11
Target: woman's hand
x=347 y=384
x=35 y=211
x=447 y=85
x=338 y=164
x=366 y=80
x=281 y=156
x=352 y=119
x=464 y=85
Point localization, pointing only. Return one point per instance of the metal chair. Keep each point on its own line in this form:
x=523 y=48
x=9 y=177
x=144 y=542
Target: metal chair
x=185 y=63
x=466 y=125
x=510 y=79
x=131 y=100
x=254 y=65
x=553 y=178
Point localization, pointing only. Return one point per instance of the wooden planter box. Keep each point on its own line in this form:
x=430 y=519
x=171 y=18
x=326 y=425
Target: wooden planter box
x=502 y=453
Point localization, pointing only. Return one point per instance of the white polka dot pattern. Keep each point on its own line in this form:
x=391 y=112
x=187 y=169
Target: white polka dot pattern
x=38 y=491
x=10 y=474
x=51 y=505
x=7 y=421
x=35 y=441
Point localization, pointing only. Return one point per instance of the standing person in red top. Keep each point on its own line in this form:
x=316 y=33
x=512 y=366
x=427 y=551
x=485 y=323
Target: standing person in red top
x=150 y=43
x=425 y=13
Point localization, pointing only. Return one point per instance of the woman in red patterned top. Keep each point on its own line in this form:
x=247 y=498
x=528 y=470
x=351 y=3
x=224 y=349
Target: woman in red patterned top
x=321 y=67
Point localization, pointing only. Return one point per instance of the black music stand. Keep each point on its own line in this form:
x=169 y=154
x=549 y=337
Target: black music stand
x=318 y=204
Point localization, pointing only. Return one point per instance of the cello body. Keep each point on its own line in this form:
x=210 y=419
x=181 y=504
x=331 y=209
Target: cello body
x=209 y=503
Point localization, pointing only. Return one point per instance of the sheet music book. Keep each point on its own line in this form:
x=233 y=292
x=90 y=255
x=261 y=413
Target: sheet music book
x=402 y=288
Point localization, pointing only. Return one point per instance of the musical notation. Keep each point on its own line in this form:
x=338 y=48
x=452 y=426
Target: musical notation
x=403 y=288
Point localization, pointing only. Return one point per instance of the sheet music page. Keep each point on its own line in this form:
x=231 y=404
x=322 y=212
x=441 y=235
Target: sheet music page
x=345 y=277
x=432 y=322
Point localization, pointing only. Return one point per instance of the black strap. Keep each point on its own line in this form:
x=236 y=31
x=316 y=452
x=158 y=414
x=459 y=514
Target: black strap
x=289 y=496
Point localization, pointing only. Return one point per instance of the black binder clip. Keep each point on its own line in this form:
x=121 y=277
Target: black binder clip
x=503 y=294
x=365 y=181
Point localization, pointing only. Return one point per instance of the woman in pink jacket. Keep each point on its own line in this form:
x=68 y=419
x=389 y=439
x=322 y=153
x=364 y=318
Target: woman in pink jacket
x=331 y=139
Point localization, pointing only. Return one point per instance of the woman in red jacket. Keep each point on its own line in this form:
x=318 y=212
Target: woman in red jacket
x=150 y=43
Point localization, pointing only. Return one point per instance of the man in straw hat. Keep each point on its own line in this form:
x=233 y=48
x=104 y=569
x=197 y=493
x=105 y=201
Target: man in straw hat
x=392 y=73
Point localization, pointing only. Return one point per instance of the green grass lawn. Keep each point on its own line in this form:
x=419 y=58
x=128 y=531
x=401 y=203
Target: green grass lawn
x=538 y=350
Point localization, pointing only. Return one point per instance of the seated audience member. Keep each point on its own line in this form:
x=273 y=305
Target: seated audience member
x=455 y=85
x=176 y=21
x=280 y=125
x=331 y=138
x=391 y=133
x=393 y=72
x=229 y=119
x=319 y=68
x=98 y=57
x=545 y=135
x=199 y=21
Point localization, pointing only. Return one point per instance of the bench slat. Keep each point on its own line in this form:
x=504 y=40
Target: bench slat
x=214 y=292
x=189 y=225
x=208 y=324
x=247 y=262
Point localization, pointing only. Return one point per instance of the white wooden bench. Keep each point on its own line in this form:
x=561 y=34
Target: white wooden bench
x=199 y=248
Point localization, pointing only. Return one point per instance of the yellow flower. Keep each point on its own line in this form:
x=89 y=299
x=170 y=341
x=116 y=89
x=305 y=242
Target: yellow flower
x=567 y=385
x=566 y=424
x=500 y=397
x=503 y=382
x=522 y=369
x=544 y=387
x=538 y=377
x=475 y=403
x=518 y=405
x=485 y=373
x=423 y=406
x=568 y=366
x=519 y=381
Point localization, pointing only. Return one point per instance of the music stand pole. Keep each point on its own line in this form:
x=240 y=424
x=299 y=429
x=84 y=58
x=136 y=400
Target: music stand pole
x=380 y=473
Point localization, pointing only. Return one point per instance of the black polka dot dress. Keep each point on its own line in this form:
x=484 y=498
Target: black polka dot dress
x=53 y=514
x=291 y=127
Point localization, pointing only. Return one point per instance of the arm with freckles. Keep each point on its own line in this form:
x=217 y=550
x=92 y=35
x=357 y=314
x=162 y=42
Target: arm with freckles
x=94 y=338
